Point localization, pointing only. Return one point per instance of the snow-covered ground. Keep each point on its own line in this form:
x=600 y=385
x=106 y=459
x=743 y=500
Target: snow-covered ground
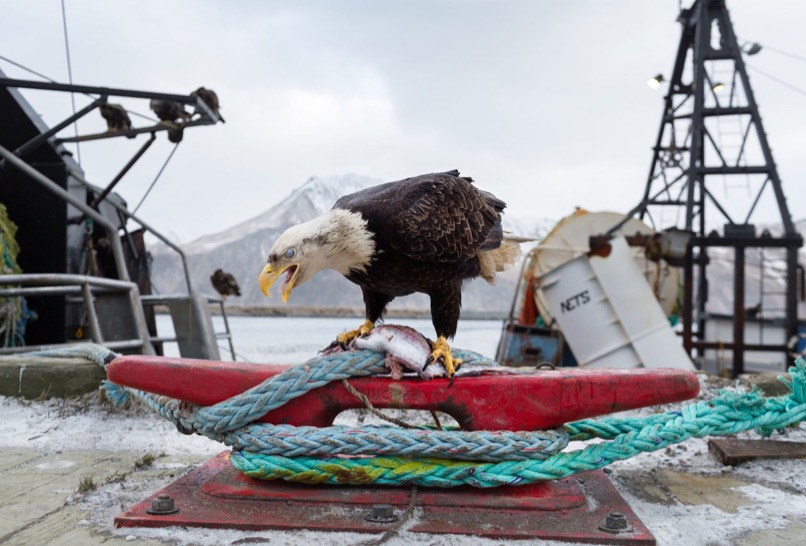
x=681 y=493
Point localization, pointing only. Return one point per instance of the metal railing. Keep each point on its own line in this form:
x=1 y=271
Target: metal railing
x=154 y=300
x=84 y=290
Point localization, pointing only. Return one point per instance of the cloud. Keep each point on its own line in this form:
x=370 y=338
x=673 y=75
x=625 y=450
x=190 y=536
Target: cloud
x=543 y=103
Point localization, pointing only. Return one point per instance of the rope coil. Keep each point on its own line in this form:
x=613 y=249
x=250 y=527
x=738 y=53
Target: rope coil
x=382 y=455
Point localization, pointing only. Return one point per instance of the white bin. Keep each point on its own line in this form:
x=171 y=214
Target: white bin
x=608 y=314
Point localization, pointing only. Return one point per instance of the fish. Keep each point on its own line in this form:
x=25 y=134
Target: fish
x=407 y=350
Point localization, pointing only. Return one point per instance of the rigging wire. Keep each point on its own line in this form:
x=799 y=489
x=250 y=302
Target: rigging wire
x=155 y=179
x=782 y=52
x=51 y=80
x=777 y=80
x=34 y=72
x=70 y=78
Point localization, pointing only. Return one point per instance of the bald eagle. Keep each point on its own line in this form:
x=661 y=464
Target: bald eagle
x=211 y=99
x=225 y=283
x=167 y=110
x=117 y=118
x=427 y=234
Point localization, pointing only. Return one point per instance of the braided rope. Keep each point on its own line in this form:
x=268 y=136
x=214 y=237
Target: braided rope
x=232 y=421
x=393 y=456
x=728 y=414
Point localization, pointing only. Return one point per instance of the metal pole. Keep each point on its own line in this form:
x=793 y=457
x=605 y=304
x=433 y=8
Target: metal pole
x=688 y=299
x=87 y=89
x=702 y=35
x=111 y=229
x=738 y=312
x=123 y=171
x=92 y=316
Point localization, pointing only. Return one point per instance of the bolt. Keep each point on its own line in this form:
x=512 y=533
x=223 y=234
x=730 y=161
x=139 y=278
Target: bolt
x=162 y=505
x=615 y=522
x=381 y=513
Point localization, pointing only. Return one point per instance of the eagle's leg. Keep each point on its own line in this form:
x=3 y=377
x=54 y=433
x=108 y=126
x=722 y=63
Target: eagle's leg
x=442 y=351
x=348 y=336
x=374 y=305
x=445 y=307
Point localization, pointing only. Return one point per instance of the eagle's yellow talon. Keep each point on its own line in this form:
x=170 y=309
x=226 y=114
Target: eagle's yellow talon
x=363 y=330
x=442 y=351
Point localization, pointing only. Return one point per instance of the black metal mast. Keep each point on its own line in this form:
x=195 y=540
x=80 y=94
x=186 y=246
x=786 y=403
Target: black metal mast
x=709 y=90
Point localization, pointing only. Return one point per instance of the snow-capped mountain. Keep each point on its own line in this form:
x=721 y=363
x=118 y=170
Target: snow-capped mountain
x=307 y=201
x=242 y=250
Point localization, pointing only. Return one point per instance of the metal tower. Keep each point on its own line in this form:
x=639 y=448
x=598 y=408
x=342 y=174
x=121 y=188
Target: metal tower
x=712 y=143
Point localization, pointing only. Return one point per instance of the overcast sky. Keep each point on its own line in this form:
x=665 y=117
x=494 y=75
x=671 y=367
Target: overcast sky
x=543 y=103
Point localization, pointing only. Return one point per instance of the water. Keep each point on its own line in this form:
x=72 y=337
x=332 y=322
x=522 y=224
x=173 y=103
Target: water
x=292 y=340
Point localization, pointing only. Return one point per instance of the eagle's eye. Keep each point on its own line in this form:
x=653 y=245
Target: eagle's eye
x=290 y=253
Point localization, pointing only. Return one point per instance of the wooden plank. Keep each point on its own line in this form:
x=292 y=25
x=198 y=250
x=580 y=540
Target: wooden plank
x=732 y=451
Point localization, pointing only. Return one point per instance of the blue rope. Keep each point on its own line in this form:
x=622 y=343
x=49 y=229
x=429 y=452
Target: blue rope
x=394 y=456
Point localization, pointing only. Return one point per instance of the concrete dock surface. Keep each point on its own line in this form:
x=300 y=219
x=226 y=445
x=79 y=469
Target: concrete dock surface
x=68 y=466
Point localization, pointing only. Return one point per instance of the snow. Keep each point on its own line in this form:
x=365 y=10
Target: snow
x=314 y=197
x=766 y=495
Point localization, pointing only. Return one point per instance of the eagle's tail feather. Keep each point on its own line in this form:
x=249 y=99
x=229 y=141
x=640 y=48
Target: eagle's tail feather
x=498 y=259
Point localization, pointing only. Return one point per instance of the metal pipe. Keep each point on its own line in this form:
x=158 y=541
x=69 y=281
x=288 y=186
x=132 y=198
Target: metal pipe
x=113 y=345
x=748 y=347
x=111 y=229
x=129 y=132
x=688 y=300
x=37 y=279
x=738 y=312
x=227 y=333
x=109 y=91
x=123 y=171
x=92 y=316
x=38 y=291
x=140 y=319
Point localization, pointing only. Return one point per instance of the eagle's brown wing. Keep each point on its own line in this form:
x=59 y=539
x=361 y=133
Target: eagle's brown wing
x=434 y=217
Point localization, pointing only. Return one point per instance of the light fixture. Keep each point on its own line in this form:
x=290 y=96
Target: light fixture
x=718 y=86
x=754 y=48
x=654 y=83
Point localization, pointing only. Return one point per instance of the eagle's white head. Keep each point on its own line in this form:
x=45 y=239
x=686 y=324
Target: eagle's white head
x=339 y=240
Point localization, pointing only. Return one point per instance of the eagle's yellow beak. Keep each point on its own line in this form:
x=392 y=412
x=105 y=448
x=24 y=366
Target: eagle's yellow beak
x=268 y=276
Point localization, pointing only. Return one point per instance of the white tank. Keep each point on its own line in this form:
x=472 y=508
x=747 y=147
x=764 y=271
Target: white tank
x=608 y=314
x=570 y=239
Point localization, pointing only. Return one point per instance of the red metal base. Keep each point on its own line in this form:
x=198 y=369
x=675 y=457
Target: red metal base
x=215 y=495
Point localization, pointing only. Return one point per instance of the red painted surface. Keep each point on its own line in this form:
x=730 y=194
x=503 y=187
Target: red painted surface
x=217 y=496
x=529 y=401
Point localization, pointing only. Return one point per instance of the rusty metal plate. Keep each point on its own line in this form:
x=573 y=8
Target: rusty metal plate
x=215 y=495
x=733 y=451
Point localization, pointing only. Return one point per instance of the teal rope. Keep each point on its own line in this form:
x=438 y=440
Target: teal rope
x=727 y=414
x=431 y=458
x=232 y=421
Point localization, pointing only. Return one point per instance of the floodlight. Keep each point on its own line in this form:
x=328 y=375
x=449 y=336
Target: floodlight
x=655 y=82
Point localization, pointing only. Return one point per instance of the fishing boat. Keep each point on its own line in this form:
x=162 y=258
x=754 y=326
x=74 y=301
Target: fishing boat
x=76 y=266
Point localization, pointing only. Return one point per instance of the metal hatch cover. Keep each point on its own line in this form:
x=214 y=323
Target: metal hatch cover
x=215 y=495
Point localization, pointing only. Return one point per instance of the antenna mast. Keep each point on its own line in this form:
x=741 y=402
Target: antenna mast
x=711 y=141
